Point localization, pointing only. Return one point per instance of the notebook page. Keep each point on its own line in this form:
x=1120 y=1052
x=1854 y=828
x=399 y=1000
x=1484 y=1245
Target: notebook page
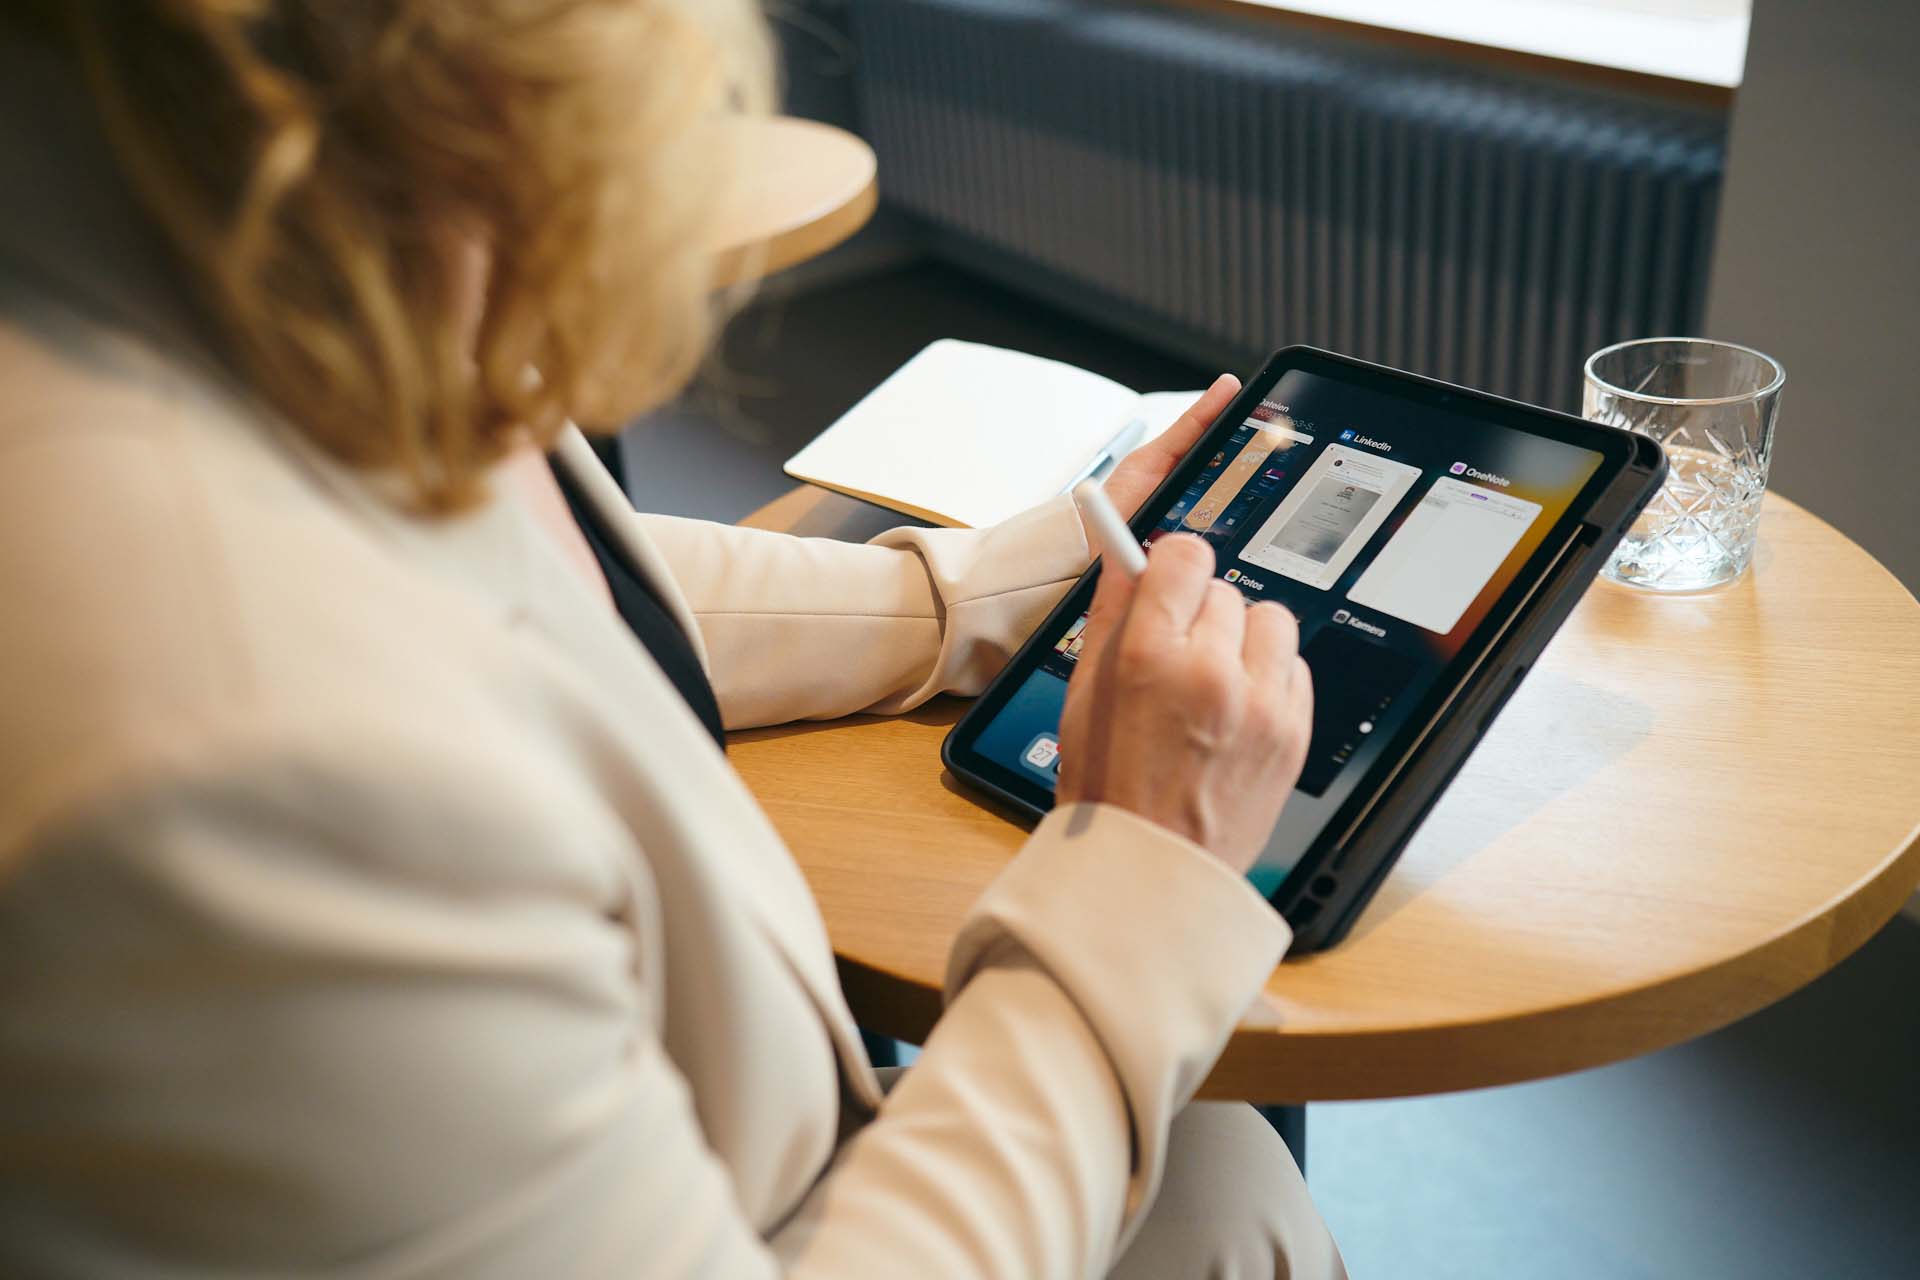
x=967 y=434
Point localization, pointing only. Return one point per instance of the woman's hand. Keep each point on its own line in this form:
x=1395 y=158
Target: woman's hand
x=1140 y=472
x=1188 y=707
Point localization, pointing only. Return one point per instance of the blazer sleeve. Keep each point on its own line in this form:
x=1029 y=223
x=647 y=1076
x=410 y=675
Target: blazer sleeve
x=811 y=628
x=310 y=1016
x=1089 y=991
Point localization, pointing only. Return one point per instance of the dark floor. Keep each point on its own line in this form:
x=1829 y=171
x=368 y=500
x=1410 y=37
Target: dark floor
x=1785 y=1146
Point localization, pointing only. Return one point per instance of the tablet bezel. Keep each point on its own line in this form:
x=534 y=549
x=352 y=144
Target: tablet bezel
x=1456 y=680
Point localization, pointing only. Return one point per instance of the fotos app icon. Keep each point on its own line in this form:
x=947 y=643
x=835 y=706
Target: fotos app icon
x=1233 y=575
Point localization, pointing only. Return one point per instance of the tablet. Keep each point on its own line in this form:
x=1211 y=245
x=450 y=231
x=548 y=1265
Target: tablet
x=1430 y=540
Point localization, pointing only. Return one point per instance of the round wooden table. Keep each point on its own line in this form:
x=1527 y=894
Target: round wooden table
x=1693 y=806
x=808 y=187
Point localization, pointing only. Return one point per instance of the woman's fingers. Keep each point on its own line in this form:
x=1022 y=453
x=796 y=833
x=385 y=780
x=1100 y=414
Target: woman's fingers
x=1221 y=626
x=1140 y=472
x=1300 y=689
x=1076 y=727
x=1167 y=599
x=1199 y=717
x=1272 y=644
x=1187 y=428
x=1110 y=596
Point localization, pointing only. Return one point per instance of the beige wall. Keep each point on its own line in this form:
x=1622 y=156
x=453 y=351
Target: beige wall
x=1818 y=259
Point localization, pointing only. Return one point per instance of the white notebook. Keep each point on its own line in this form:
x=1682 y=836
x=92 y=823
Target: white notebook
x=965 y=434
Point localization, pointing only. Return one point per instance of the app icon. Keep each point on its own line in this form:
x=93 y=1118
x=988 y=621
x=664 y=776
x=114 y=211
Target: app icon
x=1042 y=754
x=1233 y=575
x=1341 y=615
x=1346 y=435
x=1458 y=468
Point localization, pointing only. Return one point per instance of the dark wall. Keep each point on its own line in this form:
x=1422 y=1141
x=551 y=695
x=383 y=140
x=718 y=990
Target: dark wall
x=1818 y=257
x=816 y=60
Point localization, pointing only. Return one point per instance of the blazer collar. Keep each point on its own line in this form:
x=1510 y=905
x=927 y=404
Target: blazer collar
x=613 y=512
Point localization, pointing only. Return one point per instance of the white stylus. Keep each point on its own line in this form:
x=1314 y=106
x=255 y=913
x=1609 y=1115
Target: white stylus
x=1110 y=533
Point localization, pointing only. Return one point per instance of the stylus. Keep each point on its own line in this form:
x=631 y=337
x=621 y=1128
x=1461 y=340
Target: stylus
x=1111 y=536
x=1109 y=457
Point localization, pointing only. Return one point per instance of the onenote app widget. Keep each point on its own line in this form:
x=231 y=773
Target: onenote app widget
x=1390 y=529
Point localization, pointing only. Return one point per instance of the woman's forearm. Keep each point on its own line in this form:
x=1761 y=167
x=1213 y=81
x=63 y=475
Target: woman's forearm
x=808 y=628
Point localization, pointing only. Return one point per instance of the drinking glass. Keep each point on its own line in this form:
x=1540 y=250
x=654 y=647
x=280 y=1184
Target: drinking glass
x=1712 y=406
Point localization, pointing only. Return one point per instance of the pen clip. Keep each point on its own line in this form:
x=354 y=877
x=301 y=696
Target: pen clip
x=1109 y=455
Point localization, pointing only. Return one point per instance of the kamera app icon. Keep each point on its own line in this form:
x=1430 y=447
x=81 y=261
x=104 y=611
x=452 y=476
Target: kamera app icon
x=1341 y=615
x=1458 y=468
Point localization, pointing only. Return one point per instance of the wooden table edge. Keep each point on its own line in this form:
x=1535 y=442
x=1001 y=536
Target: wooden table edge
x=1261 y=1067
x=1558 y=1039
x=1528 y=1044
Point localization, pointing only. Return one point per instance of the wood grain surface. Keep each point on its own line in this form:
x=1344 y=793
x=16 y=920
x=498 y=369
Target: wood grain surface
x=808 y=187
x=1693 y=806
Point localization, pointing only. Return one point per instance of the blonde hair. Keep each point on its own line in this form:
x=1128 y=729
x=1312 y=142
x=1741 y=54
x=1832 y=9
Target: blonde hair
x=323 y=171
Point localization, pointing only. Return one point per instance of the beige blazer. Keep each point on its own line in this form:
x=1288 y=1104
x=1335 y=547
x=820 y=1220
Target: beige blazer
x=370 y=903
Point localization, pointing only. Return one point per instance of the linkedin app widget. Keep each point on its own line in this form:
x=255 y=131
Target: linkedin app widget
x=1389 y=529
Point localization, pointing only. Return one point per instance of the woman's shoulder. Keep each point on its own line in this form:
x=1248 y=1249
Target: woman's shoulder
x=176 y=581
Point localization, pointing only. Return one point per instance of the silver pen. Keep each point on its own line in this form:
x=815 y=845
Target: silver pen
x=1109 y=457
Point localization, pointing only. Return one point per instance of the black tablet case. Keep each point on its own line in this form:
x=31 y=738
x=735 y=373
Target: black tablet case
x=1350 y=860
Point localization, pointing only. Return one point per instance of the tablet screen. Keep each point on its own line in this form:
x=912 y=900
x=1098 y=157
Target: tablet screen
x=1389 y=527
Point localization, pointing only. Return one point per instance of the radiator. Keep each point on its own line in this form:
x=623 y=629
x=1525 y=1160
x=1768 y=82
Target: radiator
x=1224 y=187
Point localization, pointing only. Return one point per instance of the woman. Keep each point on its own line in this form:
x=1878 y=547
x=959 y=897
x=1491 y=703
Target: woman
x=374 y=893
